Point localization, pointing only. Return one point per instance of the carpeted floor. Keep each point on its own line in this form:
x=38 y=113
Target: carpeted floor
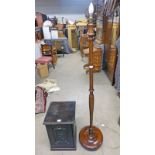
x=74 y=85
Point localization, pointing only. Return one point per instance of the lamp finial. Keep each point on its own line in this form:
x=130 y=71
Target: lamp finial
x=91 y=8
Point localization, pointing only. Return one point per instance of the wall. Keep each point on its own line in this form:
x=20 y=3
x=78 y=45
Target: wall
x=70 y=9
x=71 y=17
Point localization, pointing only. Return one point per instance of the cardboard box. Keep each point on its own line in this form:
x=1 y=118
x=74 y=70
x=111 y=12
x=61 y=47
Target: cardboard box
x=43 y=70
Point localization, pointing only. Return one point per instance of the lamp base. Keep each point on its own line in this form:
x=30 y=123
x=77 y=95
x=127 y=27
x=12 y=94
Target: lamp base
x=88 y=141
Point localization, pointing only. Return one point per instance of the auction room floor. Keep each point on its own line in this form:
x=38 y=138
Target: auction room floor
x=74 y=86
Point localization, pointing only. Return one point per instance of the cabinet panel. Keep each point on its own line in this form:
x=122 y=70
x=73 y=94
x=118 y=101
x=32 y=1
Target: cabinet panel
x=111 y=59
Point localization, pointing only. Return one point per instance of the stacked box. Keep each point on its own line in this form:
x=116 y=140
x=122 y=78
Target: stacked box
x=43 y=70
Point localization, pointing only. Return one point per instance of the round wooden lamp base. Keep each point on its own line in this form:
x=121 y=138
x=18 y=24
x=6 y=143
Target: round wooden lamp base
x=88 y=141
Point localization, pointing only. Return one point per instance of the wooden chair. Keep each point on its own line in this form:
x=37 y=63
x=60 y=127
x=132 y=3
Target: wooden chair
x=59 y=47
x=47 y=55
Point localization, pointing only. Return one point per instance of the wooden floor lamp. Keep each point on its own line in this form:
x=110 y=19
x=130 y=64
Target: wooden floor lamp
x=91 y=137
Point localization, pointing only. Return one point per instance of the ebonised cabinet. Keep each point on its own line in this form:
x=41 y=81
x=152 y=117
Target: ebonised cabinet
x=60 y=125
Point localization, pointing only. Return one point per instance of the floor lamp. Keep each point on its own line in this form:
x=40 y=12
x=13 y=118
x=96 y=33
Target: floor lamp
x=91 y=137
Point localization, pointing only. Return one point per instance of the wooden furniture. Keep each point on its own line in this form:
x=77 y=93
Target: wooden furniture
x=61 y=41
x=60 y=125
x=97 y=59
x=111 y=59
x=40 y=18
x=42 y=64
x=99 y=30
x=44 y=60
x=83 y=43
x=81 y=27
x=91 y=137
x=47 y=56
x=110 y=49
x=38 y=33
x=54 y=55
x=48 y=50
x=110 y=32
x=72 y=37
x=59 y=47
x=61 y=34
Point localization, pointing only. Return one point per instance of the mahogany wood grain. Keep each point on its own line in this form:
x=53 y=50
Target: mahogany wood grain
x=90 y=136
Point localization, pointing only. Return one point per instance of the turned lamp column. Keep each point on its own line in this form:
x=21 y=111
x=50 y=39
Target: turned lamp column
x=90 y=136
x=91 y=89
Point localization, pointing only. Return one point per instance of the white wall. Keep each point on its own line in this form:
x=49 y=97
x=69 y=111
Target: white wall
x=72 y=17
x=72 y=9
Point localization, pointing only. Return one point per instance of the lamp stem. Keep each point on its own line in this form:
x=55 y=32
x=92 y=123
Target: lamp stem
x=91 y=89
x=90 y=136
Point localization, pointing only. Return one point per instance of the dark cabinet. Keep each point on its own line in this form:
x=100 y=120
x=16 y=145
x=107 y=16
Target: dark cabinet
x=61 y=136
x=60 y=125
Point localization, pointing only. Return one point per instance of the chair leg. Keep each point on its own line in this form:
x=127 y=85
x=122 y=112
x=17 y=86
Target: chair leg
x=53 y=65
x=48 y=67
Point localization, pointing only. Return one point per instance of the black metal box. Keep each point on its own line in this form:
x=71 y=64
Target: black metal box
x=60 y=125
